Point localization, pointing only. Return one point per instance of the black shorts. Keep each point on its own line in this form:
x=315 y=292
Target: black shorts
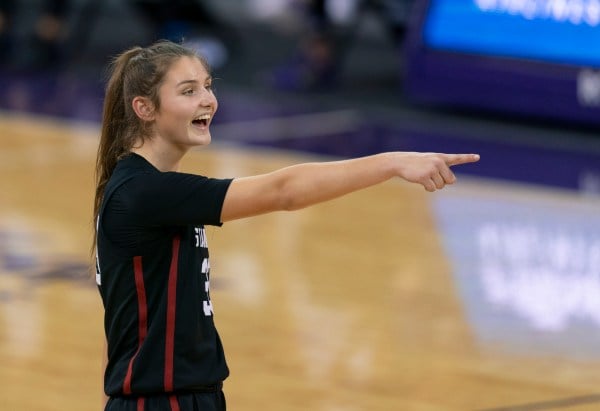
x=212 y=401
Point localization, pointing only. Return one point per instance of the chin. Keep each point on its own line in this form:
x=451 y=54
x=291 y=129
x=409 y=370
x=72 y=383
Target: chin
x=203 y=140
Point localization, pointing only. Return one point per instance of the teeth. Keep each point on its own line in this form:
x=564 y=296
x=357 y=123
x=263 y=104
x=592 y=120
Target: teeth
x=203 y=117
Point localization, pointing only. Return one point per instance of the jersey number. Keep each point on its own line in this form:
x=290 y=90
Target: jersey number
x=207 y=304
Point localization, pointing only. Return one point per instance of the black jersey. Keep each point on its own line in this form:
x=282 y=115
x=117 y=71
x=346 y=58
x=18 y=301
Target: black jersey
x=153 y=275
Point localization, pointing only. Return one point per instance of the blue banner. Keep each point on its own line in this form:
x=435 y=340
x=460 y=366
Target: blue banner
x=556 y=31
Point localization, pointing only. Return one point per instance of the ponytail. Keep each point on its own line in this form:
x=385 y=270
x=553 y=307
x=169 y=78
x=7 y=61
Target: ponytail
x=113 y=138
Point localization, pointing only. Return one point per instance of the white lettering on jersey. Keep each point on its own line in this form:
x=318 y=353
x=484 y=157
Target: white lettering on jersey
x=205 y=266
x=207 y=304
x=98 y=276
x=208 y=310
x=200 y=237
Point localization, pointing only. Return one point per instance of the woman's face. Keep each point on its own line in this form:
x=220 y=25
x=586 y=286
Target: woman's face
x=187 y=105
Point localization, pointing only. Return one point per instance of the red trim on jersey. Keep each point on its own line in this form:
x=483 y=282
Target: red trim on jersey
x=142 y=320
x=174 y=403
x=140 y=404
x=171 y=307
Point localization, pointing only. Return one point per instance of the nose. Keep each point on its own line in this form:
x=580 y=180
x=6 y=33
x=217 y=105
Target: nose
x=207 y=98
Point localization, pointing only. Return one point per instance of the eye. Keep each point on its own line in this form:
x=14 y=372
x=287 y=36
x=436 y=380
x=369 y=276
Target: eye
x=209 y=87
x=189 y=91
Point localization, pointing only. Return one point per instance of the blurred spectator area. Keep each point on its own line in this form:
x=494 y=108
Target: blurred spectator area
x=228 y=30
x=245 y=40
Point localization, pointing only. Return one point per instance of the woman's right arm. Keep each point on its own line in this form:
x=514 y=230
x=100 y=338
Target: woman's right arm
x=302 y=185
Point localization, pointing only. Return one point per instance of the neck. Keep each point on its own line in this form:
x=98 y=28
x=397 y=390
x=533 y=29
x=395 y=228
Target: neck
x=164 y=159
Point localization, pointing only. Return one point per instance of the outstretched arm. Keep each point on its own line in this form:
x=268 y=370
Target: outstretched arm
x=302 y=185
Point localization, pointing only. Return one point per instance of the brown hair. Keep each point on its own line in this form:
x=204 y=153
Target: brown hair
x=135 y=72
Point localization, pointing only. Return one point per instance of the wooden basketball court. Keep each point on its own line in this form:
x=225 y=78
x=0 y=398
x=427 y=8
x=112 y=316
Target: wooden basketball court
x=346 y=306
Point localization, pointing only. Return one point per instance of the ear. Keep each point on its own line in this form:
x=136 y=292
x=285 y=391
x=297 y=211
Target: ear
x=143 y=108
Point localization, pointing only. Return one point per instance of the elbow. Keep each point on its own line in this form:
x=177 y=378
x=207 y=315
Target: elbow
x=289 y=201
x=292 y=207
x=289 y=193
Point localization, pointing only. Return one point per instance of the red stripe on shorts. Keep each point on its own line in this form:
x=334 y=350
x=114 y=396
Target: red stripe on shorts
x=142 y=319
x=140 y=404
x=174 y=403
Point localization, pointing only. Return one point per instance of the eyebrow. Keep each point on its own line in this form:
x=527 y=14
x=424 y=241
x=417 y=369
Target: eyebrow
x=209 y=78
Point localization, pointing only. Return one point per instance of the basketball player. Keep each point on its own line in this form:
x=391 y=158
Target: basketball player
x=153 y=271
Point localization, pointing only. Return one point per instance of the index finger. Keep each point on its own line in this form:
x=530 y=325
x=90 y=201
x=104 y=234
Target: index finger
x=455 y=159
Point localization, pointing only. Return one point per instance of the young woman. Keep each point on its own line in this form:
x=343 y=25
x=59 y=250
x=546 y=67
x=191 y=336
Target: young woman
x=164 y=352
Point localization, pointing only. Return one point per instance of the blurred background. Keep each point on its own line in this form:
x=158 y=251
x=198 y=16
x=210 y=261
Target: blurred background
x=482 y=72
x=483 y=296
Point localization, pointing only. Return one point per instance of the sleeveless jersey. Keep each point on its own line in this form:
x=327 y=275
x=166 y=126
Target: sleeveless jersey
x=153 y=274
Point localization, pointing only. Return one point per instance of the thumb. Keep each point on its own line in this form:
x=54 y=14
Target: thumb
x=456 y=159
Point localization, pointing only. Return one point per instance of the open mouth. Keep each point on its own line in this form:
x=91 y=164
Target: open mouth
x=201 y=121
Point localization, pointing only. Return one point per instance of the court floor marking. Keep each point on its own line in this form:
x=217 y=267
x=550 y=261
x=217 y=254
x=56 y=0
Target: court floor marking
x=552 y=404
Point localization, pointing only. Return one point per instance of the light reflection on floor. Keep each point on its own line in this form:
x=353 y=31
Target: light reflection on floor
x=526 y=262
